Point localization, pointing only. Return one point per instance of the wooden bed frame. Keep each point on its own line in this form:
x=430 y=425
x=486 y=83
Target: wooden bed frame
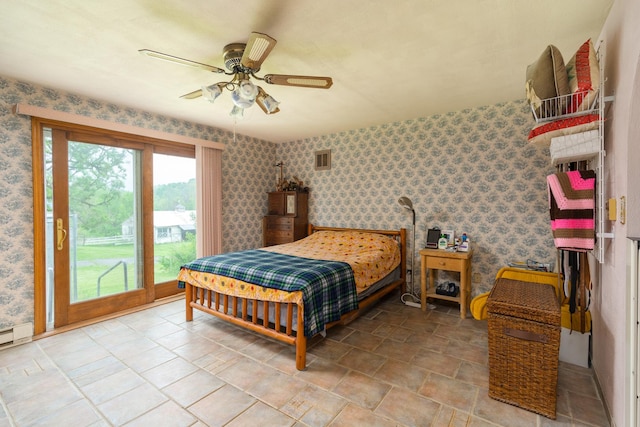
x=238 y=311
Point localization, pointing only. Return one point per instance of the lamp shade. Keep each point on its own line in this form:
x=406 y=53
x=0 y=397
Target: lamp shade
x=237 y=112
x=245 y=94
x=266 y=102
x=211 y=92
x=406 y=203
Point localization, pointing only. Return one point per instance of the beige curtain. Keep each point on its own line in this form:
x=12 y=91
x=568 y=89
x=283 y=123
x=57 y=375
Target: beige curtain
x=209 y=201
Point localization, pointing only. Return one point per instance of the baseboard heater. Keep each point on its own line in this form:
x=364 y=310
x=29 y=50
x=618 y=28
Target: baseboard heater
x=15 y=335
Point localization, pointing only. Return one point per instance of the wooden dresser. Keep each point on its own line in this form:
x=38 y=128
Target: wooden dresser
x=287 y=218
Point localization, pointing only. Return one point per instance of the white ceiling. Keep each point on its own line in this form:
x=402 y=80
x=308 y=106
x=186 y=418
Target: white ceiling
x=389 y=60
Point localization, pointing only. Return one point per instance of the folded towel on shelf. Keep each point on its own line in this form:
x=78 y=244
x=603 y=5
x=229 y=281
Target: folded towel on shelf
x=573 y=147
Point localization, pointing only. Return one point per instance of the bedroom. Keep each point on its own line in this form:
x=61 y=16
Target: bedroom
x=362 y=173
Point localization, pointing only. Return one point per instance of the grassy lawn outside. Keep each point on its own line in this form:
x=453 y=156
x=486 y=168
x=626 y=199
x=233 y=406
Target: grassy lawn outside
x=87 y=253
x=95 y=261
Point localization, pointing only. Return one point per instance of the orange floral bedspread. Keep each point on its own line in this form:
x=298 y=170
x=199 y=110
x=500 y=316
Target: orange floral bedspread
x=235 y=287
x=371 y=256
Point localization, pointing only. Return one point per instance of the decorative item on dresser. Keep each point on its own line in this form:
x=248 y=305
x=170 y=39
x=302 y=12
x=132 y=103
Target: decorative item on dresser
x=287 y=218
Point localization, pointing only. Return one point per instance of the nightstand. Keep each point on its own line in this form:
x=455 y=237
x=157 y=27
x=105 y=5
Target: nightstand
x=440 y=259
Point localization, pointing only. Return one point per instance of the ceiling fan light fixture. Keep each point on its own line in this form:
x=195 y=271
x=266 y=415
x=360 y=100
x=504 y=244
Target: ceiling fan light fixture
x=265 y=101
x=245 y=94
x=243 y=60
x=237 y=112
x=211 y=92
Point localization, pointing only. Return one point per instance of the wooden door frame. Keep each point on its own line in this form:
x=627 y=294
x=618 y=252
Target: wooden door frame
x=39 y=230
x=150 y=291
x=60 y=168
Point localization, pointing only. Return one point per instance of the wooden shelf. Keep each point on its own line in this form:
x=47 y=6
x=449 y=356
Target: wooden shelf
x=433 y=294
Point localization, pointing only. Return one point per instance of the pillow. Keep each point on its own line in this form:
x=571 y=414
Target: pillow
x=543 y=132
x=546 y=78
x=583 y=72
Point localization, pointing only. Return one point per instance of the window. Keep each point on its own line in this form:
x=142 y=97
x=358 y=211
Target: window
x=174 y=210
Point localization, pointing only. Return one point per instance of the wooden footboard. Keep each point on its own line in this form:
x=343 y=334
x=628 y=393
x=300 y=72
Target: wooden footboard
x=244 y=312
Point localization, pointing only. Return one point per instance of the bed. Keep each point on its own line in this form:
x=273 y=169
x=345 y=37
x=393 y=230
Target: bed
x=294 y=291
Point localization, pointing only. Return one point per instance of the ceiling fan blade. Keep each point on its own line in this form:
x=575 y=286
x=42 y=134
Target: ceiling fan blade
x=302 y=81
x=181 y=61
x=192 y=95
x=256 y=51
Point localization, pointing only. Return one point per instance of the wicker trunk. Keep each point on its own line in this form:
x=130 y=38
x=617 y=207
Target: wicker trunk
x=524 y=343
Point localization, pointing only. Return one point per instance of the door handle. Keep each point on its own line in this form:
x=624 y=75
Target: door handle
x=61 y=233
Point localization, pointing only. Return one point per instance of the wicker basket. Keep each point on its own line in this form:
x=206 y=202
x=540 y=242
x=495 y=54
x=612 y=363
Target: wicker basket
x=524 y=343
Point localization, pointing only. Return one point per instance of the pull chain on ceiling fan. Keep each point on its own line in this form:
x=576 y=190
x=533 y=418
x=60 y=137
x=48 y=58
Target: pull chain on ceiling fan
x=243 y=62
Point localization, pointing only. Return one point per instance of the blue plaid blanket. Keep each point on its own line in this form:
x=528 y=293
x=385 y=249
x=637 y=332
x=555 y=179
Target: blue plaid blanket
x=328 y=287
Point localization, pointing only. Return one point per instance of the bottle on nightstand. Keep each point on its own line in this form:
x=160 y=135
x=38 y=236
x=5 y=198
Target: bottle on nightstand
x=465 y=244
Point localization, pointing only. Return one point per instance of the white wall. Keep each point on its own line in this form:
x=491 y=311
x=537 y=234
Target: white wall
x=621 y=35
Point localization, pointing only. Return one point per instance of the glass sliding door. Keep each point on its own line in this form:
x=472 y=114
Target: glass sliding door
x=104 y=221
x=174 y=217
x=114 y=218
x=95 y=239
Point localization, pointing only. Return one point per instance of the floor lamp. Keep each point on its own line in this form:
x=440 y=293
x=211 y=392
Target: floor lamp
x=406 y=203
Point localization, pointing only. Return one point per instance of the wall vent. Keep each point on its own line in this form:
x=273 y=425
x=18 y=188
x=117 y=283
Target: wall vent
x=15 y=335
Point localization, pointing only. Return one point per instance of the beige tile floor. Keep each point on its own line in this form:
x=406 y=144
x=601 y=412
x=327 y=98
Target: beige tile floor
x=395 y=366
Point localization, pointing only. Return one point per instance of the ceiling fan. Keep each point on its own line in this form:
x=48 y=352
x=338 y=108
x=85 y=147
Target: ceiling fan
x=243 y=62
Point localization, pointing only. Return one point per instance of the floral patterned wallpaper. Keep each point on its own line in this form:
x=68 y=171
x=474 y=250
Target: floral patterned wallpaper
x=471 y=171
x=246 y=179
